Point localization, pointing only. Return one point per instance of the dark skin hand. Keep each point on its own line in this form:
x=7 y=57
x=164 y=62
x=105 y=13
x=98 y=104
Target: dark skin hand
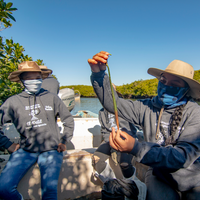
x=61 y=147
x=14 y=147
x=98 y=62
x=121 y=141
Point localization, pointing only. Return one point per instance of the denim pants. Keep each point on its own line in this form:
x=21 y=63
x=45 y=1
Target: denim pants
x=20 y=162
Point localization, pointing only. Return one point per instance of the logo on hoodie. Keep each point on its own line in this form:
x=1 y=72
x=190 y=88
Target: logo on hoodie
x=48 y=108
x=112 y=123
x=33 y=113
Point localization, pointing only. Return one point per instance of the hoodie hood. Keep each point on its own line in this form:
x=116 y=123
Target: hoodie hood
x=40 y=93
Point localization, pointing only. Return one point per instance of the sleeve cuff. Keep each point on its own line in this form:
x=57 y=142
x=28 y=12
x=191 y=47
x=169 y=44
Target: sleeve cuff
x=136 y=148
x=98 y=74
x=8 y=144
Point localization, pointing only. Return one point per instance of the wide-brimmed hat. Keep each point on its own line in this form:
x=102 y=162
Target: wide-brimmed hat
x=44 y=68
x=182 y=70
x=27 y=66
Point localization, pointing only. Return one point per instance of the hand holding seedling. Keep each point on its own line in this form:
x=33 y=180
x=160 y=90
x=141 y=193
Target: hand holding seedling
x=121 y=141
x=118 y=140
x=98 y=62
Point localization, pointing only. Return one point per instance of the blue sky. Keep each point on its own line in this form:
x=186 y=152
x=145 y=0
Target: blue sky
x=138 y=33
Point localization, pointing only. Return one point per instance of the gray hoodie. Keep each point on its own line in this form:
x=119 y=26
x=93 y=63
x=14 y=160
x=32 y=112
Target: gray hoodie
x=35 y=118
x=177 y=164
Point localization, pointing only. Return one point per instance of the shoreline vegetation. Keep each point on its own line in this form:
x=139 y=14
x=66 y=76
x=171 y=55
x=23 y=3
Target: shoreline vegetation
x=140 y=89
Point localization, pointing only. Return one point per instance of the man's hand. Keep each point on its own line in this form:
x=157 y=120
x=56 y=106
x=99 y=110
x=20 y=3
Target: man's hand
x=121 y=141
x=14 y=147
x=61 y=147
x=98 y=62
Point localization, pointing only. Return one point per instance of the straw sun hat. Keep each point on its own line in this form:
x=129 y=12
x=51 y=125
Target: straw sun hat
x=28 y=66
x=182 y=70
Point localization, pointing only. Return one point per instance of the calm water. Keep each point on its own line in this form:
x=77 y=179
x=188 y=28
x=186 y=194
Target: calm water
x=91 y=104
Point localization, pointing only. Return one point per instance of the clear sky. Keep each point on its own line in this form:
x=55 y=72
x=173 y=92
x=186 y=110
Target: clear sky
x=138 y=33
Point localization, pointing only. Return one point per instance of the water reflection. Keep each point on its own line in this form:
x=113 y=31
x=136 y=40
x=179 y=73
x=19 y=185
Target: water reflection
x=91 y=104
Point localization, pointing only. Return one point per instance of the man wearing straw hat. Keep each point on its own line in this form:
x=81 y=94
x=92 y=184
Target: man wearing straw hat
x=50 y=83
x=34 y=113
x=171 y=128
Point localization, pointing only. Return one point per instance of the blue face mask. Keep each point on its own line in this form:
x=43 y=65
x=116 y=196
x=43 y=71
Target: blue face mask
x=169 y=95
x=32 y=86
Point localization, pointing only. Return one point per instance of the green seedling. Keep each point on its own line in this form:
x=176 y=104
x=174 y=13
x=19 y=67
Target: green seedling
x=113 y=96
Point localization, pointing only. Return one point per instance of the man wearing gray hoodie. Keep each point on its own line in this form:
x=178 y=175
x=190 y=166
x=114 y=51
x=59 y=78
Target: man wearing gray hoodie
x=34 y=113
x=171 y=127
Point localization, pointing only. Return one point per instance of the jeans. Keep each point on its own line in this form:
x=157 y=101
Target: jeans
x=20 y=162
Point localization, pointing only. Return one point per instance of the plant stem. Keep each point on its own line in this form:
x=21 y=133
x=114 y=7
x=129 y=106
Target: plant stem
x=113 y=96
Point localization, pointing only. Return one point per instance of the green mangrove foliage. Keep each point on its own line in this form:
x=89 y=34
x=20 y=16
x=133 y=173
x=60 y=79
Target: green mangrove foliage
x=139 y=89
x=136 y=89
x=11 y=56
